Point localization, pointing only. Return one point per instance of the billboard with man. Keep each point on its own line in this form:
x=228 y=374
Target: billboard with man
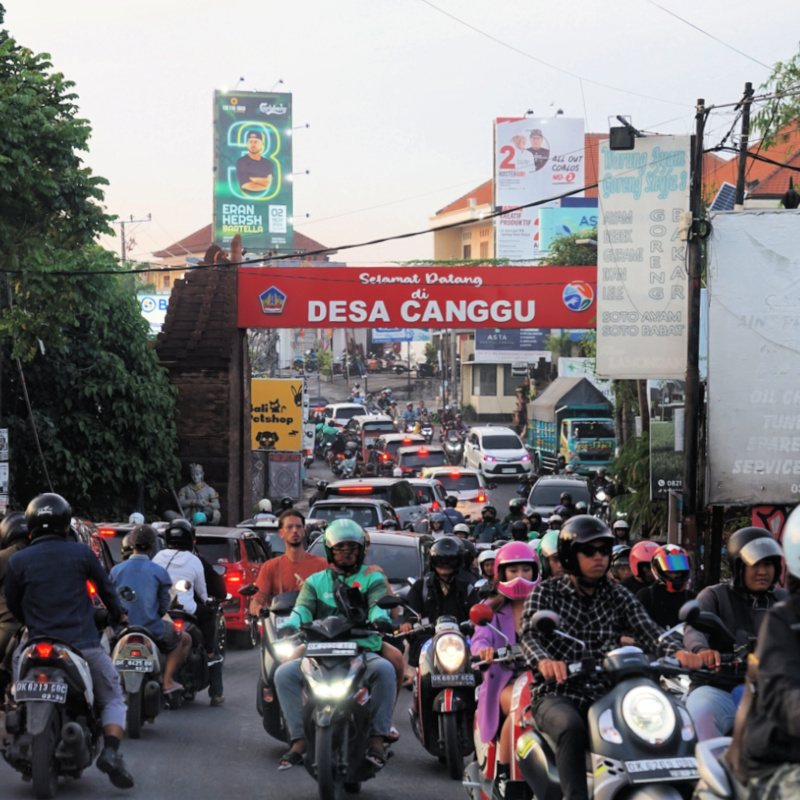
x=252 y=169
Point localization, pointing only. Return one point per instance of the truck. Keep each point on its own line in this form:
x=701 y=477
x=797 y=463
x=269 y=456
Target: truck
x=573 y=418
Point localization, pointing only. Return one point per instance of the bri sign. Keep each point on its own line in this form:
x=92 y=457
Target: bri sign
x=417 y=297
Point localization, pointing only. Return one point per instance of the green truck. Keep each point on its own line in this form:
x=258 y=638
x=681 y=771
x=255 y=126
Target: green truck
x=573 y=418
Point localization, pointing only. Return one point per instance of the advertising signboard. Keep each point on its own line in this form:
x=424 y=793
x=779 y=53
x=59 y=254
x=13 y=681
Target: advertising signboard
x=510 y=345
x=641 y=261
x=276 y=419
x=401 y=335
x=535 y=159
x=154 y=309
x=556 y=222
x=252 y=169
x=426 y=297
x=753 y=359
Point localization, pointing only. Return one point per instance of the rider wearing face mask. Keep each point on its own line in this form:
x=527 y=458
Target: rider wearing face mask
x=597 y=611
x=489 y=528
x=755 y=560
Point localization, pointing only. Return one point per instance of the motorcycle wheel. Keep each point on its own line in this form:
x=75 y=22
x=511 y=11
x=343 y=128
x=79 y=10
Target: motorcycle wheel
x=248 y=639
x=221 y=634
x=134 y=703
x=44 y=771
x=452 y=748
x=330 y=777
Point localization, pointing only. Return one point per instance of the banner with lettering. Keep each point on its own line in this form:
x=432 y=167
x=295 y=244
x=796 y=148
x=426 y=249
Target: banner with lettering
x=417 y=297
x=252 y=169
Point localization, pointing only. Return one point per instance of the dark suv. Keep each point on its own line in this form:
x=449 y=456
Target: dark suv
x=368 y=512
x=384 y=449
x=395 y=491
x=412 y=460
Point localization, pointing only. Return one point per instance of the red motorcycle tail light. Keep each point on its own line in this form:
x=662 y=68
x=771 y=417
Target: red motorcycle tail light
x=92 y=589
x=178 y=624
x=136 y=652
x=44 y=649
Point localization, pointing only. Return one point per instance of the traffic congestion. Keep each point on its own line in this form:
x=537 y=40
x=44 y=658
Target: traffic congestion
x=467 y=616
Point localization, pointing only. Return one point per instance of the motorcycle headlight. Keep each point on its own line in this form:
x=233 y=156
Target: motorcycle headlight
x=450 y=652
x=330 y=691
x=649 y=714
x=284 y=649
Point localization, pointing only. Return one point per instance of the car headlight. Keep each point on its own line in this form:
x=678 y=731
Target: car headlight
x=450 y=652
x=526 y=457
x=489 y=458
x=649 y=714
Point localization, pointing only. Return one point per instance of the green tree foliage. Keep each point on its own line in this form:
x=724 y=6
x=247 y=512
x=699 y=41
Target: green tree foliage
x=784 y=107
x=567 y=252
x=102 y=405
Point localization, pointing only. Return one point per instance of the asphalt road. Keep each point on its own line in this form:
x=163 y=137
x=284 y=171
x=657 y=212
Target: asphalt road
x=198 y=752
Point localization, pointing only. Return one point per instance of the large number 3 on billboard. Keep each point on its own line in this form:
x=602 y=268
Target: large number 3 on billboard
x=237 y=134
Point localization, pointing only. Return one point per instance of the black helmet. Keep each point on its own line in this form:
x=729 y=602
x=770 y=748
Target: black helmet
x=48 y=514
x=601 y=473
x=620 y=557
x=565 y=498
x=519 y=531
x=12 y=529
x=491 y=509
x=126 y=550
x=748 y=546
x=143 y=538
x=577 y=531
x=286 y=502
x=451 y=501
x=516 y=503
x=447 y=551
x=180 y=535
x=470 y=553
x=322 y=485
x=348 y=453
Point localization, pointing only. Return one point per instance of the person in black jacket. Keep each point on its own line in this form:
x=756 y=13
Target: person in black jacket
x=206 y=615
x=663 y=599
x=770 y=738
x=755 y=559
x=440 y=591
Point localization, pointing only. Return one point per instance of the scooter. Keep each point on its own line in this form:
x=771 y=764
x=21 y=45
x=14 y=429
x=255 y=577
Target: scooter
x=273 y=650
x=426 y=429
x=454 y=446
x=140 y=664
x=55 y=730
x=633 y=754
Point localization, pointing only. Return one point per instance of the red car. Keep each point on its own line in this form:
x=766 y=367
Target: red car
x=242 y=553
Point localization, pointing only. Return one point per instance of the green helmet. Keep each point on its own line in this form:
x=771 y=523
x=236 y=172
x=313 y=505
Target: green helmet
x=548 y=546
x=345 y=530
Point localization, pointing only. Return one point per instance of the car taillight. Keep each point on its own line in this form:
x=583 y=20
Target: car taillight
x=455 y=474
x=233 y=579
x=435 y=506
x=481 y=498
x=107 y=531
x=384 y=456
x=349 y=489
x=406 y=441
x=422 y=451
x=44 y=649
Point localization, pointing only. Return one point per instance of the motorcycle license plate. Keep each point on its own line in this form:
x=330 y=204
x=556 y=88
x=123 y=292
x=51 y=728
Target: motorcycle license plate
x=652 y=768
x=322 y=649
x=51 y=691
x=452 y=680
x=135 y=664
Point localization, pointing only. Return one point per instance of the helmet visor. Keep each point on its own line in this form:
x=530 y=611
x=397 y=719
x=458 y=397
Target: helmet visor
x=765 y=547
x=676 y=562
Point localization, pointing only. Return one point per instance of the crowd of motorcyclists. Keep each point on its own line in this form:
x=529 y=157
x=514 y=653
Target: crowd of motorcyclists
x=607 y=590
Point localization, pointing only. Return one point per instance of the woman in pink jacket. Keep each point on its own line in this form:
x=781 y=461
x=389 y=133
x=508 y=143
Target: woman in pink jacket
x=516 y=570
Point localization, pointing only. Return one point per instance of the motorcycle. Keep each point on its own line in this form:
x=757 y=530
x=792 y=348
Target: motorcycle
x=273 y=649
x=632 y=754
x=426 y=429
x=306 y=363
x=425 y=370
x=140 y=664
x=193 y=673
x=454 y=446
x=600 y=503
x=54 y=727
x=336 y=714
x=444 y=693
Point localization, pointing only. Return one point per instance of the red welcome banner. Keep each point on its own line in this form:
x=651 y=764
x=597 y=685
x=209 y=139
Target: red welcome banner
x=417 y=297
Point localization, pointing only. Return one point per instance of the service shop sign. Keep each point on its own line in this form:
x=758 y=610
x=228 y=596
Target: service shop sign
x=417 y=297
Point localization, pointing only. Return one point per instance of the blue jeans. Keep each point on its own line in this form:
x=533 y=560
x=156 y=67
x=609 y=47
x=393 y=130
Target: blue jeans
x=712 y=710
x=380 y=677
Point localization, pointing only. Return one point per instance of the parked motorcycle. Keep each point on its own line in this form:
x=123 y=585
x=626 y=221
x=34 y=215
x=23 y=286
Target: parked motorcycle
x=425 y=370
x=54 y=728
x=306 y=363
x=337 y=710
x=273 y=649
x=454 y=446
x=140 y=664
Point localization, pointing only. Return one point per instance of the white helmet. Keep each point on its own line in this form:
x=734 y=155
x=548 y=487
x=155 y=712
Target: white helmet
x=487 y=555
x=791 y=543
x=264 y=505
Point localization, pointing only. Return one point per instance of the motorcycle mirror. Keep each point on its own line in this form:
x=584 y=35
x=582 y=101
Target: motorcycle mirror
x=675 y=629
x=389 y=601
x=545 y=622
x=706 y=622
x=182 y=586
x=688 y=611
x=249 y=590
x=484 y=589
x=480 y=614
x=219 y=569
x=127 y=594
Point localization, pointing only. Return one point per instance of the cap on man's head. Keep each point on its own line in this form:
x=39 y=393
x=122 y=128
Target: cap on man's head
x=256 y=133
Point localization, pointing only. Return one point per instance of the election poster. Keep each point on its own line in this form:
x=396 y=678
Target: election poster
x=536 y=160
x=252 y=170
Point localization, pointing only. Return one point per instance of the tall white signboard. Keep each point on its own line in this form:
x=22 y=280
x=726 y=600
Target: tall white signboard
x=642 y=283
x=754 y=358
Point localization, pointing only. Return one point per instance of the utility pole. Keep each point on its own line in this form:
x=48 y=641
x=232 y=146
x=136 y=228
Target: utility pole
x=746 y=100
x=122 y=224
x=692 y=386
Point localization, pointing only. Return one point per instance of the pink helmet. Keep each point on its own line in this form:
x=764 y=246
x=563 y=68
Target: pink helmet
x=516 y=553
x=641 y=553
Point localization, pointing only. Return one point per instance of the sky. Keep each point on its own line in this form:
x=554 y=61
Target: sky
x=399 y=95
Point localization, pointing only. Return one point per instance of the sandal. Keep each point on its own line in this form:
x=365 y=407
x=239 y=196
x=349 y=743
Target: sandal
x=393 y=735
x=178 y=687
x=376 y=758
x=290 y=759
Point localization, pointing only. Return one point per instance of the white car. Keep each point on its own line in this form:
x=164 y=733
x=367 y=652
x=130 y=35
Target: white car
x=498 y=451
x=337 y=415
x=468 y=485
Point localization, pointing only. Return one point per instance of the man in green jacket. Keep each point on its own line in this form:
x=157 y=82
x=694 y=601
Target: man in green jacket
x=345 y=548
